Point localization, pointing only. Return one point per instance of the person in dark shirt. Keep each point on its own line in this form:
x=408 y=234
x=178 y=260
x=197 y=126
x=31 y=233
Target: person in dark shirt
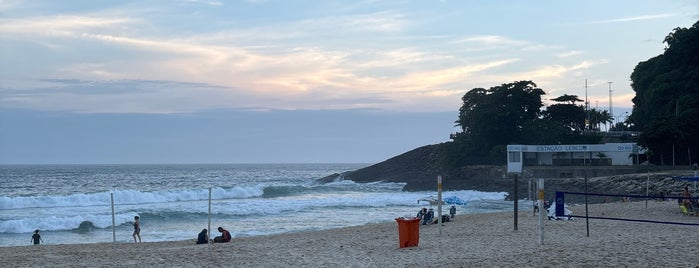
x=136 y=229
x=202 y=238
x=225 y=236
x=36 y=238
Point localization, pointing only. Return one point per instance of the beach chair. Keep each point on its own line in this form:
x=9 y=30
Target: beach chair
x=685 y=211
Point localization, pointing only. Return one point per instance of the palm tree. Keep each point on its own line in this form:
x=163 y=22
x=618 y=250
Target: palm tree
x=605 y=117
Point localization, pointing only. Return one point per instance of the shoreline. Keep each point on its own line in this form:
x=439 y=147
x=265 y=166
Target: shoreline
x=470 y=240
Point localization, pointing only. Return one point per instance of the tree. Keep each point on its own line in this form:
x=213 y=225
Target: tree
x=667 y=97
x=497 y=116
x=598 y=117
x=565 y=112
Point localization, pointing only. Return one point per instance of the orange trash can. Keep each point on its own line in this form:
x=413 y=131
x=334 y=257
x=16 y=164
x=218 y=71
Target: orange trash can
x=408 y=232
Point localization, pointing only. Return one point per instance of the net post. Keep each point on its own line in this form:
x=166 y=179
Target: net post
x=540 y=187
x=113 y=219
x=439 y=203
x=208 y=233
x=587 y=215
x=647 y=181
x=516 y=197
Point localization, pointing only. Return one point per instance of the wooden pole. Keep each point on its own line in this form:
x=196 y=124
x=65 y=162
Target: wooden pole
x=587 y=214
x=113 y=220
x=439 y=204
x=516 y=196
x=540 y=187
x=647 y=182
x=208 y=233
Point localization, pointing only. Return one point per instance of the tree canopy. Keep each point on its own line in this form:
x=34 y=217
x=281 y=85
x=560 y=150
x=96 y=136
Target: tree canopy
x=666 y=105
x=512 y=113
x=666 y=111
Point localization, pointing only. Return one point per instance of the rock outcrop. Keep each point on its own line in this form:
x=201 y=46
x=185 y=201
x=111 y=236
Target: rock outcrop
x=420 y=167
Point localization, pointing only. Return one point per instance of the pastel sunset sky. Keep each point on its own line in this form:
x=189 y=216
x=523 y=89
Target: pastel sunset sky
x=268 y=81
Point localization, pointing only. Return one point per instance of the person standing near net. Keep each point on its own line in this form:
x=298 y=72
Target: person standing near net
x=136 y=229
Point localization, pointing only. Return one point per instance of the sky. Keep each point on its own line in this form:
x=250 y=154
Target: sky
x=272 y=81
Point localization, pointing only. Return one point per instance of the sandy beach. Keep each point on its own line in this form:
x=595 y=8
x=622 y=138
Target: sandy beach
x=477 y=240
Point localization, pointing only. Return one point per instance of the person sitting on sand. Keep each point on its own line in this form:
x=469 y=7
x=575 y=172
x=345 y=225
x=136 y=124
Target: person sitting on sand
x=427 y=219
x=202 y=238
x=36 y=237
x=421 y=213
x=225 y=236
x=687 y=198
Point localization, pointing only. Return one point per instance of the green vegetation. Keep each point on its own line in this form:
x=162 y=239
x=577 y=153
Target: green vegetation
x=666 y=110
x=512 y=114
x=666 y=105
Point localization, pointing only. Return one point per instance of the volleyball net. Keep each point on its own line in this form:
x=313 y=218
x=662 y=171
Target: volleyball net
x=633 y=208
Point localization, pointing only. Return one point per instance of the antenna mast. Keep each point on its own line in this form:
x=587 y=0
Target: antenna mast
x=587 y=107
x=610 y=100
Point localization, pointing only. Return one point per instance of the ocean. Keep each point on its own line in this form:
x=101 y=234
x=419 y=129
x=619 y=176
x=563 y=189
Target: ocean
x=72 y=204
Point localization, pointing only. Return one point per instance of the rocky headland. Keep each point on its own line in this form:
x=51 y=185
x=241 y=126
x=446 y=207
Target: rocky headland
x=420 y=167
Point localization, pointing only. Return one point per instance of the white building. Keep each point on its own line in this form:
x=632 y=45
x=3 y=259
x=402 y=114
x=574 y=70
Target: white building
x=608 y=154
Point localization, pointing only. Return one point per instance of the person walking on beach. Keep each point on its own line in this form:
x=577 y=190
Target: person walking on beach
x=36 y=237
x=225 y=236
x=452 y=211
x=136 y=229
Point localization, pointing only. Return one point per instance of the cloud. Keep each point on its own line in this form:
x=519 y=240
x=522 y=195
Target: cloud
x=384 y=21
x=492 y=40
x=59 y=25
x=375 y=55
x=569 y=54
x=211 y=3
x=636 y=18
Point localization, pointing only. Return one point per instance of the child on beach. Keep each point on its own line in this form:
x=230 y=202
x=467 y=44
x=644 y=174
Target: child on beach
x=136 y=229
x=37 y=238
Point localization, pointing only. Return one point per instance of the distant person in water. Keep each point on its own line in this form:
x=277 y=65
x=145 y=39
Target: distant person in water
x=225 y=236
x=136 y=229
x=202 y=238
x=36 y=238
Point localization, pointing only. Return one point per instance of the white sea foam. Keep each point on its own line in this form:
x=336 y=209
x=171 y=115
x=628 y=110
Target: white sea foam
x=127 y=197
x=268 y=203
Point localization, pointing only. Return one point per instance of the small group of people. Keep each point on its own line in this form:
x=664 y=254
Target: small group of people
x=202 y=238
x=427 y=216
x=225 y=236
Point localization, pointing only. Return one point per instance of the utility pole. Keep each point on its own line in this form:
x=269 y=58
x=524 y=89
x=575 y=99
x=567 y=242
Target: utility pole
x=611 y=112
x=587 y=107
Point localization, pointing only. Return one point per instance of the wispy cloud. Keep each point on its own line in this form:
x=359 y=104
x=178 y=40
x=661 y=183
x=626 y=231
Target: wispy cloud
x=492 y=40
x=569 y=54
x=316 y=54
x=59 y=24
x=636 y=18
x=384 y=21
x=205 y=2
